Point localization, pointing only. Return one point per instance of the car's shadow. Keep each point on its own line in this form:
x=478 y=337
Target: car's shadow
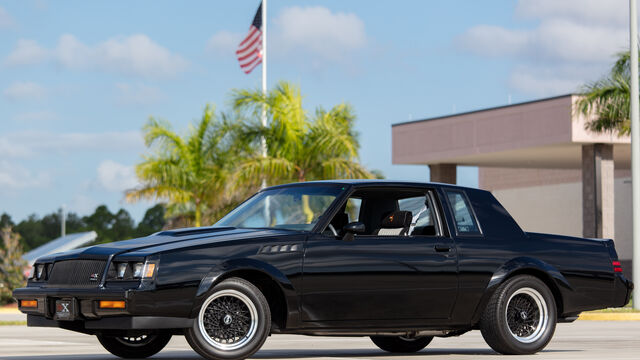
x=288 y=354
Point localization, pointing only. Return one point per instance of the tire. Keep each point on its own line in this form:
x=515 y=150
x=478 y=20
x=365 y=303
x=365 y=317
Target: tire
x=213 y=334
x=399 y=344
x=520 y=317
x=134 y=347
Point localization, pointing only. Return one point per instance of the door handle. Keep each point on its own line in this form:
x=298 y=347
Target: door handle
x=442 y=248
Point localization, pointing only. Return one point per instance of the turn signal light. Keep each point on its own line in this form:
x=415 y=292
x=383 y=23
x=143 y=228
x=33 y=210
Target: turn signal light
x=149 y=268
x=29 y=303
x=111 y=304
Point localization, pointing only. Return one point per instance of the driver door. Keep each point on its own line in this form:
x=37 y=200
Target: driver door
x=377 y=277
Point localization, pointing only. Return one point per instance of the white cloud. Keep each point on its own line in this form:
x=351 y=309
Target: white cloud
x=319 y=32
x=223 y=42
x=593 y=11
x=24 y=90
x=35 y=116
x=83 y=204
x=16 y=177
x=134 y=55
x=314 y=32
x=29 y=144
x=5 y=19
x=138 y=94
x=116 y=177
x=574 y=41
x=27 y=52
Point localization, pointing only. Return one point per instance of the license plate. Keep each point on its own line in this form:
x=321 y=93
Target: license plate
x=65 y=309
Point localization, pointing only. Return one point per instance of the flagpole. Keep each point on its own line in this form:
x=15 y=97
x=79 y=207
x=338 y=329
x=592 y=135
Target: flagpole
x=635 y=149
x=264 y=81
x=263 y=140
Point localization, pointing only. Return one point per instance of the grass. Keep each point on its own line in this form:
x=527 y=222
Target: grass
x=4 y=323
x=619 y=310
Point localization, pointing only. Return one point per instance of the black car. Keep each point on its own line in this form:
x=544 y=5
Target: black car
x=400 y=262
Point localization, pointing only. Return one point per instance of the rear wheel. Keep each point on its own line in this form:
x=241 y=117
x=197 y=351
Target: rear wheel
x=233 y=322
x=134 y=347
x=400 y=344
x=520 y=317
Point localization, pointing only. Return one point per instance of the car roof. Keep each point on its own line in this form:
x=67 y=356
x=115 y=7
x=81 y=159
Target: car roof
x=372 y=183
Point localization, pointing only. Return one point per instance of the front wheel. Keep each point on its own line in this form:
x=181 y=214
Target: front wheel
x=233 y=322
x=400 y=344
x=134 y=347
x=520 y=317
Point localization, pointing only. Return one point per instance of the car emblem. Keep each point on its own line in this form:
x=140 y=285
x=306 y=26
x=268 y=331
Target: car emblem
x=94 y=277
x=64 y=308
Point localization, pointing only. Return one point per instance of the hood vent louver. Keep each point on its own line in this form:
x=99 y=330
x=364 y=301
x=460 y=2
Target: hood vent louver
x=193 y=231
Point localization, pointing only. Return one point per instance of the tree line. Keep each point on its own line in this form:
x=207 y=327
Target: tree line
x=35 y=231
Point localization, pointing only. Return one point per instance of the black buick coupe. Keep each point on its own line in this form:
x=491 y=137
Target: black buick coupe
x=400 y=262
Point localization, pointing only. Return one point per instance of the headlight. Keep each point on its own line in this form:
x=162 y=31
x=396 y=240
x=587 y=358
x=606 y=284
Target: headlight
x=121 y=269
x=39 y=271
x=137 y=270
x=132 y=270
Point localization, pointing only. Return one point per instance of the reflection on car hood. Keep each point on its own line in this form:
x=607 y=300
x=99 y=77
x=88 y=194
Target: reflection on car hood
x=164 y=239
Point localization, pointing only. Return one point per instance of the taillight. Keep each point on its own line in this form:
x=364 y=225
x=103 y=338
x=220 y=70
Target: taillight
x=616 y=266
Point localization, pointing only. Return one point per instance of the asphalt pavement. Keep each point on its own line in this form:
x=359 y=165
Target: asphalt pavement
x=579 y=340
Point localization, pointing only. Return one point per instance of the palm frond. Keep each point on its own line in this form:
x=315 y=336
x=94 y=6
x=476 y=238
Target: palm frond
x=340 y=168
x=157 y=131
x=276 y=170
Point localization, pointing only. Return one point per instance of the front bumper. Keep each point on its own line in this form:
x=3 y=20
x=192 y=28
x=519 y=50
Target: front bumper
x=86 y=315
x=86 y=299
x=114 y=323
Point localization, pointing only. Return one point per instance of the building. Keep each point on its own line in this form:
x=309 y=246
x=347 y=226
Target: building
x=538 y=159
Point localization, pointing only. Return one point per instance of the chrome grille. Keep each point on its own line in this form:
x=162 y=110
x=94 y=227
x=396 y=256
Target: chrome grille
x=76 y=273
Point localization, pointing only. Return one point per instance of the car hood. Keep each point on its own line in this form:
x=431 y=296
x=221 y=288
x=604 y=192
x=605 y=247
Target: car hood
x=164 y=239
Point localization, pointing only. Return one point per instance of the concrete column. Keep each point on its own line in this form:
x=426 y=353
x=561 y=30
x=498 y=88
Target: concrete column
x=598 y=191
x=443 y=173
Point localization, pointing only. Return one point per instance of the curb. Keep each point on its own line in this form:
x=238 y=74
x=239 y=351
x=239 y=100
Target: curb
x=610 y=316
x=12 y=311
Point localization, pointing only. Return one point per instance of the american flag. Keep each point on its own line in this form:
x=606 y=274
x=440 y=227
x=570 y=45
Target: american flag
x=250 y=49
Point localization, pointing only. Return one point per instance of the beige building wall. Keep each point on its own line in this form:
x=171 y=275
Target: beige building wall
x=550 y=201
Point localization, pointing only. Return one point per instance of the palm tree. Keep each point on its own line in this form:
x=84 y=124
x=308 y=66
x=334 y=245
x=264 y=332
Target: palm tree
x=608 y=99
x=299 y=147
x=192 y=173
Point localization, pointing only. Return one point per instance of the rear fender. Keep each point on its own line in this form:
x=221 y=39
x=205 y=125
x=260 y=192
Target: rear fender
x=551 y=276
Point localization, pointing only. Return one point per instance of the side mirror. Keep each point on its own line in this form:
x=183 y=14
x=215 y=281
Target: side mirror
x=351 y=229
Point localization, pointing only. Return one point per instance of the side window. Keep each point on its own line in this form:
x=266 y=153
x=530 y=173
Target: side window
x=465 y=222
x=417 y=205
x=420 y=206
x=353 y=209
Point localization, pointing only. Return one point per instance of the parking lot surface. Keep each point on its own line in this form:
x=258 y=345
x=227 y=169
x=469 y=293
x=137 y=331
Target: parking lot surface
x=580 y=340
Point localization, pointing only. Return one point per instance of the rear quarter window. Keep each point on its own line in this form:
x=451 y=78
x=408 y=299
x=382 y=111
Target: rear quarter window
x=465 y=221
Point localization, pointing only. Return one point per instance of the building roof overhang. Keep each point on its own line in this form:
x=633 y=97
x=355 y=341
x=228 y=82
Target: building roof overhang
x=546 y=133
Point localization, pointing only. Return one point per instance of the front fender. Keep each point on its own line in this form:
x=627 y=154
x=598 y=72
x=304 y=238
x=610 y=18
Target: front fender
x=221 y=271
x=217 y=272
x=524 y=265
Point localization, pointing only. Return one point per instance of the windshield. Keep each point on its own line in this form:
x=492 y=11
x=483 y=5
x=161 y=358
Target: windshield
x=293 y=208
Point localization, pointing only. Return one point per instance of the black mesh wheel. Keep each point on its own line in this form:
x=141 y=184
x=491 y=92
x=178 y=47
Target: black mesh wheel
x=233 y=321
x=520 y=317
x=134 y=347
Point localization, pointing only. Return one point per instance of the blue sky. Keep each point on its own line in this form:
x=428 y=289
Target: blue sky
x=78 y=79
